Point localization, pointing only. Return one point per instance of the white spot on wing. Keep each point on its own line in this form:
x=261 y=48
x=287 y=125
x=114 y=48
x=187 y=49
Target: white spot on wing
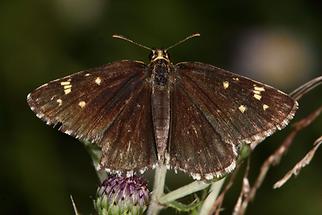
x=265 y=106
x=242 y=108
x=257 y=92
x=67 y=91
x=259 y=88
x=82 y=104
x=59 y=101
x=63 y=83
x=98 y=80
x=257 y=96
x=225 y=84
x=67 y=86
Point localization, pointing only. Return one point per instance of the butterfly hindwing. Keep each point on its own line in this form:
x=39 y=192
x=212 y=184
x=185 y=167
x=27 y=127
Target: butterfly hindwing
x=129 y=143
x=87 y=104
x=195 y=146
x=232 y=110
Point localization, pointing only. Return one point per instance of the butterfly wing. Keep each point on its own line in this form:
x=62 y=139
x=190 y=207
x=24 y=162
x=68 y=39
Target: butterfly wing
x=103 y=105
x=222 y=111
x=195 y=146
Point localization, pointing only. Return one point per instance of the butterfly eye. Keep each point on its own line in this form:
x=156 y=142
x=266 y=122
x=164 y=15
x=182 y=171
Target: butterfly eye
x=166 y=55
x=152 y=55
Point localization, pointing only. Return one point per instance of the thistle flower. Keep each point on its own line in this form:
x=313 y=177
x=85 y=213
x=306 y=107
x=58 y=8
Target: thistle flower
x=122 y=195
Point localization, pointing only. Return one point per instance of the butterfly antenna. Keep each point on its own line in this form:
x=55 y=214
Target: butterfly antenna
x=117 y=36
x=184 y=40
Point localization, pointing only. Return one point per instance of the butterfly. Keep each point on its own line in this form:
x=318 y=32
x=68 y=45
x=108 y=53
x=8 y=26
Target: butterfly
x=189 y=116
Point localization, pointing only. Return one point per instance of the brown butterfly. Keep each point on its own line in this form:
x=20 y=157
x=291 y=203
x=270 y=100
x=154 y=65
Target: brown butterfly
x=190 y=116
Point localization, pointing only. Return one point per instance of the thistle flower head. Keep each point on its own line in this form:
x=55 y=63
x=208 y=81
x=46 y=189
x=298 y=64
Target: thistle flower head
x=122 y=195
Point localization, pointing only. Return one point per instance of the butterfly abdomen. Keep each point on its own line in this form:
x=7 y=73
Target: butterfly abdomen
x=161 y=70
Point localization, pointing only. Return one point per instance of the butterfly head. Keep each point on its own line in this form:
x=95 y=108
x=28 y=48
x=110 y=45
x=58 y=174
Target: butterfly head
x=159 y=54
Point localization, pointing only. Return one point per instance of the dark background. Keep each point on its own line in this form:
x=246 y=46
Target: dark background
x=276 y=42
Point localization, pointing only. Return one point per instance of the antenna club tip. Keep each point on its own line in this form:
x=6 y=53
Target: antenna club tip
x=117 y=36
x=196 y=34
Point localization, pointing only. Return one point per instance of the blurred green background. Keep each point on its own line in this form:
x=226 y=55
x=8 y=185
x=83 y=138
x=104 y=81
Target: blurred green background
x=276 y=42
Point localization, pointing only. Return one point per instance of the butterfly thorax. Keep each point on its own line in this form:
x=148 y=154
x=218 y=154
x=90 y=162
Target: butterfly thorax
x=160 y=73
x=161 y=70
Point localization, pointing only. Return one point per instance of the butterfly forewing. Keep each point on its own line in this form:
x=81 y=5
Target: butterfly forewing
x=239 y=109
x=88 y=104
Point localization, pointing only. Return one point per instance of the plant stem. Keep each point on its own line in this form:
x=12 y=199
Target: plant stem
x=211 y=198
x=183 y=191
x=158 y=187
